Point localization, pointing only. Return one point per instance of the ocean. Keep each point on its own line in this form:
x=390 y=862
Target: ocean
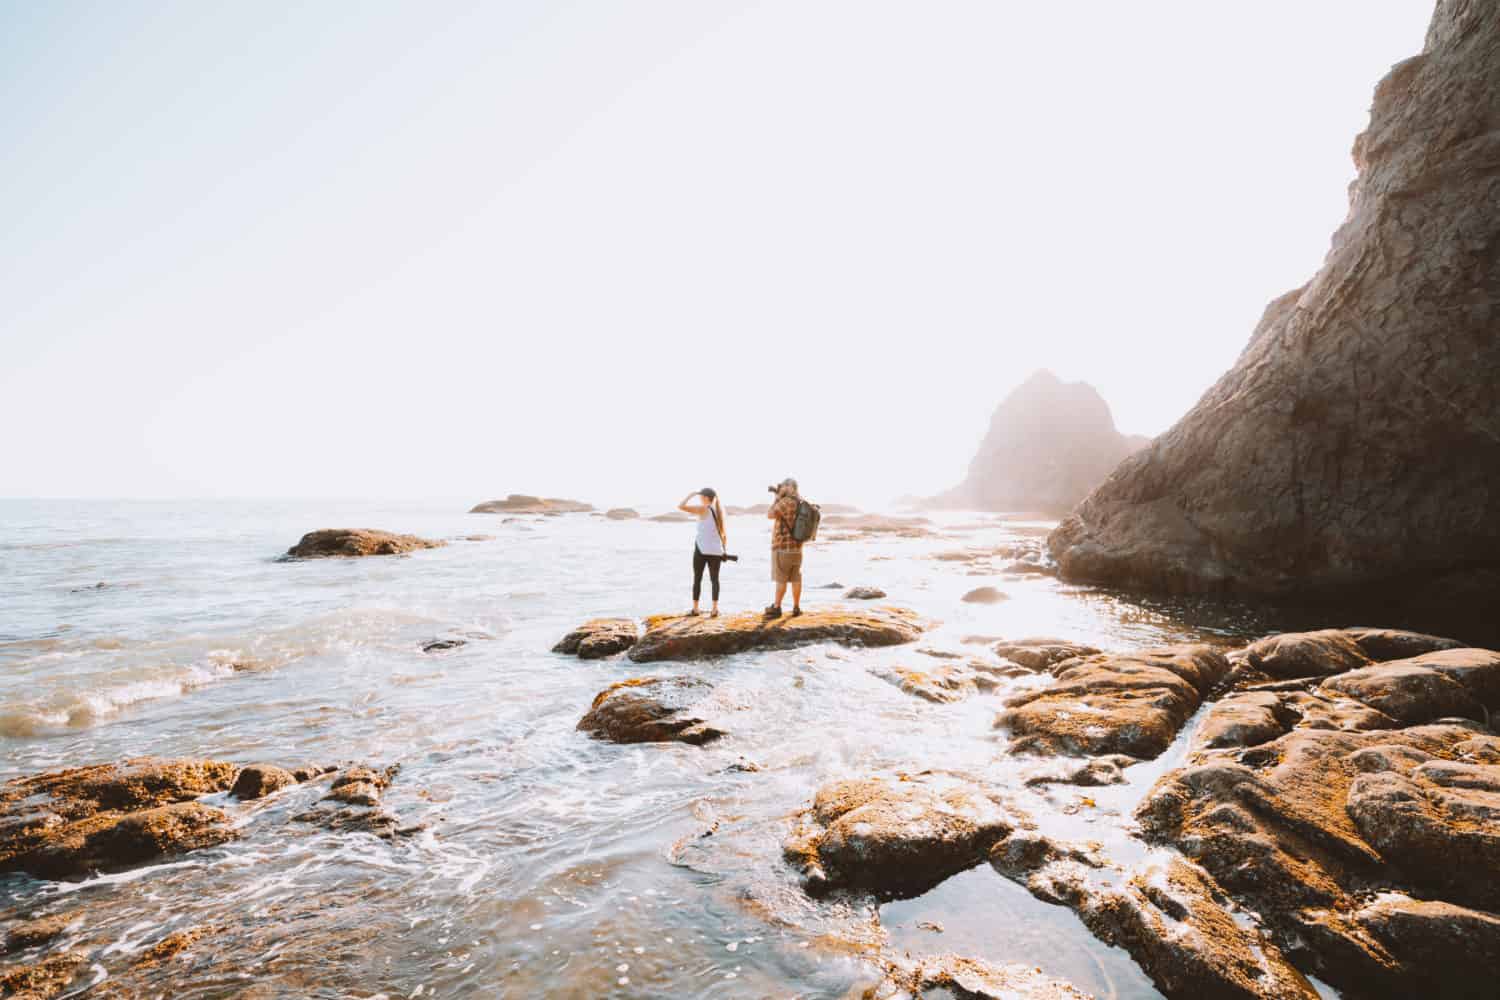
x=547 y=863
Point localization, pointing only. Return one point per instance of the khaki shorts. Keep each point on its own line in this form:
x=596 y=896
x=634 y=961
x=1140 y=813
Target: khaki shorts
x=786 y=566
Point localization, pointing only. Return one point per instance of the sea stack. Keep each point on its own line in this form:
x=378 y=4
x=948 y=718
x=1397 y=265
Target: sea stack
x=1353 y=451
x=1049 y=443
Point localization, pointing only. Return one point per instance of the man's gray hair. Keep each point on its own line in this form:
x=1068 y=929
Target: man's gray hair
x=789 y=481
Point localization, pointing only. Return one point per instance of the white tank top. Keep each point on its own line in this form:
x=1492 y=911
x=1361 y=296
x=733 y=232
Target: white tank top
x=708 y=535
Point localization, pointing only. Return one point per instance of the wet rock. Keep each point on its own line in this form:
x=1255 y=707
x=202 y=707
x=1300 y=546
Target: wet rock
x=1306 y=654
x=1364 y=403
x=1039 y=654
x=170 y=947
x=601 y=637
x=1049 y=443
x=1091 y=773
x=1381 y=644
x=952 y=976
x=676 y=637
x=864 y=594
x=621 y=514
x=895 y=837
x=1246 y=719
x=442 y=645
x=41 y=980
x=1167 y=914
x=64 y=824
x=1441 y=944
x=944 y=684
x=651 y=710
x=24 y=934
x=1305 y=827
x=521 y=503
x=361 y=786
x=1478 y=670
x=985 y=595
x=1126 y=703
x=259 y=780
x=1407 y=692
x=350 y=543
x=309 y=772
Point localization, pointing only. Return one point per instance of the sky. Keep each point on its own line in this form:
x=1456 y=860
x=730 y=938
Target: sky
x=619 y=251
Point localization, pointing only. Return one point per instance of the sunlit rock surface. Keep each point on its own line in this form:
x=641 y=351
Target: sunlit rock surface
x=652 y=710
x=1353 y=451
x=681 y=637
x=598 y=638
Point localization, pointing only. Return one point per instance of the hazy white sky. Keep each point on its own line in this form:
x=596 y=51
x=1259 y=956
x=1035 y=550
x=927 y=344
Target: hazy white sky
x=622 y=250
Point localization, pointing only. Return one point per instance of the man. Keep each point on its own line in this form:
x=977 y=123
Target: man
x=786 y=551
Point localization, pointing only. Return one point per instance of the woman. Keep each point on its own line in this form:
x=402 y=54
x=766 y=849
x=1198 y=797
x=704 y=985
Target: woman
x=711 y=545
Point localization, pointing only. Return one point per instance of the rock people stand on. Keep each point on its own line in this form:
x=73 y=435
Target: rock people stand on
x=711 y=545
x=793 y=522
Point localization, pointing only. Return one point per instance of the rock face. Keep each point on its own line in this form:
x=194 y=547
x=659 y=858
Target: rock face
x=66 y=824
x=1127 y=703
x=520 y=503
x=651 y=710
x=1355 y=809
x=897 y=838
x=601 y=637
x=1049 y=443
x=1354 y=448
x=352 y=542
x=675 y=637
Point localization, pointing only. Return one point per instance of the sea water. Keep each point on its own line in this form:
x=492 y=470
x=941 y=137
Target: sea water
x=548 y=863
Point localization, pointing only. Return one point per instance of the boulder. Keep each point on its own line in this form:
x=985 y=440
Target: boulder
x=1381 y=644
x=520 y=503
x=1127 y=703
x=349 y=543
x=362 y=785
x=1049 y=443
x=598 y=638
x=1407 y=692
x=864 y=594
x=1306 y=654
x=985 y=595
x=1305 y=828
x=1167 y=914
x=1246 y=719
x=895 y=837
x=651 y=710
x=1350 y=453
x=1478 y=670
x=259 y=780
x=679 y=637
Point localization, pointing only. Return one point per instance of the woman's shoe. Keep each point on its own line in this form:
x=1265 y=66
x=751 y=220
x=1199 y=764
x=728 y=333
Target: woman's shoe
x=772 y=611
x=693 y=613
x=714 y=613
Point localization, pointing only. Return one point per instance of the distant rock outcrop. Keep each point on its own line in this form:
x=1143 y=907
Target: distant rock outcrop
x=1353 y=451
x=349 y=543
x=1049 y=443
x=520 y=503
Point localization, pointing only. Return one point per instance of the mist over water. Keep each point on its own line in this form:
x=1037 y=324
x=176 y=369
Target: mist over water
x=549 y=862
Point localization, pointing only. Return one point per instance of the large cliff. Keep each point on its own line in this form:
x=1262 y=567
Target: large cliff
x=1049 y=443
x=1354 y=447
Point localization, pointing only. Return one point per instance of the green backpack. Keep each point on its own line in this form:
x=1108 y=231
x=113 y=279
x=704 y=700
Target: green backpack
x=805 y=521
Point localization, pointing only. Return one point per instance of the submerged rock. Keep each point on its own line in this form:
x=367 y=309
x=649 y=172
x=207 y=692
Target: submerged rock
x=985 y=595
x=1127 y=703
x=598 y=638
x=952 y=976
x=651 y=710
x=1050 y=442
x=443 y=645
x=44 y=979
x=894 y=837
x=943 y=684
x=677 y=637
x=521 y=503
x=23 y=934
x=1351 y=450
x=350 y=543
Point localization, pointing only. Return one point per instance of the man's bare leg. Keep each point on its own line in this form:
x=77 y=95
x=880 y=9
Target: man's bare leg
x=780 y=593
x=796 y=596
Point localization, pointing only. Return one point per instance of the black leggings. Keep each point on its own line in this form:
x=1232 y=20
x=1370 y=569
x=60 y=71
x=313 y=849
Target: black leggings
x=712 y=562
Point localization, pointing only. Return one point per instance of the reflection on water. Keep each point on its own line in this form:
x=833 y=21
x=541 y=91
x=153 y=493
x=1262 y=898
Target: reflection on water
x=549 y=863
